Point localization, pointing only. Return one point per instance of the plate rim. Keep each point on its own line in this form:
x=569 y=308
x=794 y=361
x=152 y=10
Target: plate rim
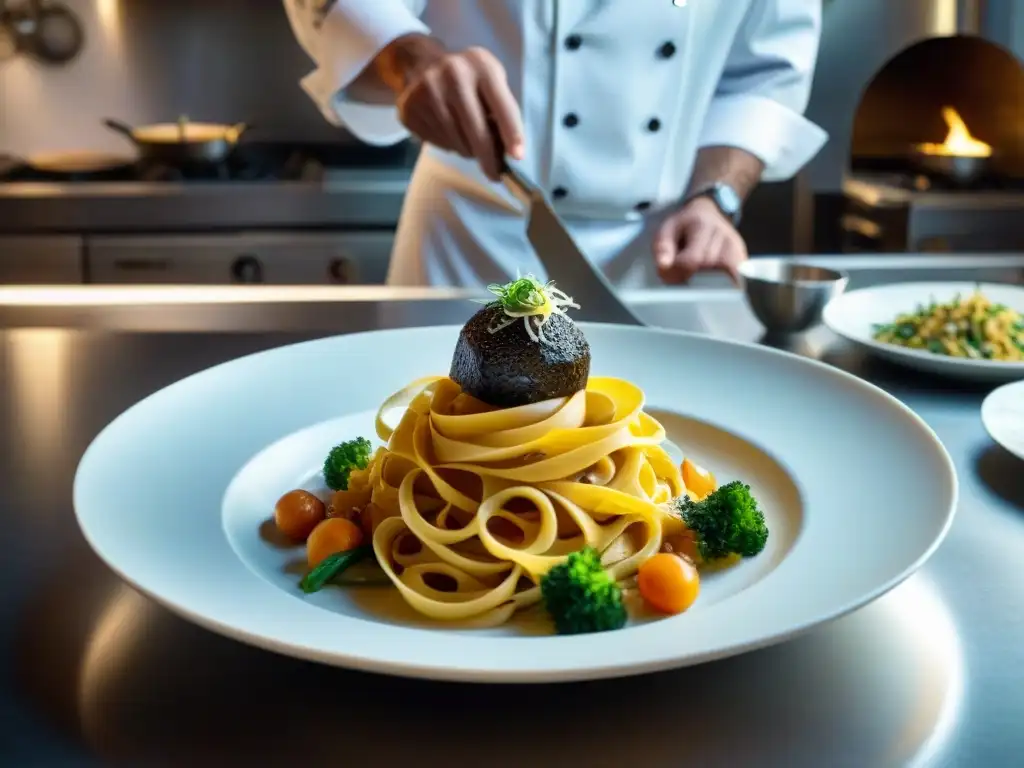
x=891 y=351
x=986 y=420
x=489 y=675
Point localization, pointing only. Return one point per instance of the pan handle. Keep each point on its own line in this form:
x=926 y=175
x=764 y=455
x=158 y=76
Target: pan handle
x=122 y=128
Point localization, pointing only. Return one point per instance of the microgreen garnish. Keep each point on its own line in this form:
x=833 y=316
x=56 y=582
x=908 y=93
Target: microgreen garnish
x=532 y=301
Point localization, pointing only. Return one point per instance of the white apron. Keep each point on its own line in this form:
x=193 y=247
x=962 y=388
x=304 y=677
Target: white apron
x=455 y=232
x=646 y=89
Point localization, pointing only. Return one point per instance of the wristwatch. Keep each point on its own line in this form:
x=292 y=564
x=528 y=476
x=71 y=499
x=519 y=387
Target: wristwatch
x=725 y=197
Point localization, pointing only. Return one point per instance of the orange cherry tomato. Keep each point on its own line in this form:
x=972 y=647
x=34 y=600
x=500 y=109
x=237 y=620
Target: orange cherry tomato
x=697 y=480
x=335 y=534
x=684 y=544
x=349 y=503
x=297 y=513
x=668 y=583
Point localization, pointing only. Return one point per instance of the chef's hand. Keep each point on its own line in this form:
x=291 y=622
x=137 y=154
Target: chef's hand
x=449 y=98
x=695 y=238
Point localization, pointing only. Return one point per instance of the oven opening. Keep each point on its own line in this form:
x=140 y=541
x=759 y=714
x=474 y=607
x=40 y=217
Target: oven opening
x=947 y=112
x=936 y=160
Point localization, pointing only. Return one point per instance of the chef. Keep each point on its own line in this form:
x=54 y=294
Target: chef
x=647 y=123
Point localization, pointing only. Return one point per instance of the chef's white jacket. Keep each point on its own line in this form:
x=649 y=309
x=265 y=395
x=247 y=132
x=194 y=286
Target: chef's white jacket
x=648 y=83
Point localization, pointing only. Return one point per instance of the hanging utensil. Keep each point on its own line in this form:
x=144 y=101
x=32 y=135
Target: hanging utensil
x=58 y=36
x=50 y=31
x=183 y=142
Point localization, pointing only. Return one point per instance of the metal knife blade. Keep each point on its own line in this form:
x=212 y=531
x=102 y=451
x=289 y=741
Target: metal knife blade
x=563 y=260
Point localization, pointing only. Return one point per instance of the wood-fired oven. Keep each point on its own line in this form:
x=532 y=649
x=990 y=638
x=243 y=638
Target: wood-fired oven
x=924 y=103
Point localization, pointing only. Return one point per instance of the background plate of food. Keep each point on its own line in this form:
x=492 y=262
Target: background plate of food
x=971 y=331
x=518 y=500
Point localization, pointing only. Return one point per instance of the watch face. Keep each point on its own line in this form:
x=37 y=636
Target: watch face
x=727 y=199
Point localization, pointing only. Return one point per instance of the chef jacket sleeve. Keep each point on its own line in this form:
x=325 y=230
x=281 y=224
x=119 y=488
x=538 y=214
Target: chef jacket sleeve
x=343 y=37
x=764 y=88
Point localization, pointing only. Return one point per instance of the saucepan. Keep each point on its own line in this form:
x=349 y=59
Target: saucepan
x=183 y=142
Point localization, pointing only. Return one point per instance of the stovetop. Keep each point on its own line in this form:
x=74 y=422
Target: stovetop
x=250 y=162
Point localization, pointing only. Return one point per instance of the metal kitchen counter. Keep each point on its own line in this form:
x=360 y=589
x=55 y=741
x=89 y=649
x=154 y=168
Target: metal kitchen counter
x=95 y=674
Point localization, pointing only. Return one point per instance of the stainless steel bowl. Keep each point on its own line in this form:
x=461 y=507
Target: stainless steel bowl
x=789 y=297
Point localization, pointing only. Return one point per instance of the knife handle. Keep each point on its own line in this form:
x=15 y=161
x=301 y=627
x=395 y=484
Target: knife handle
x=499 y=145
x=511 y=173
x=506 y=164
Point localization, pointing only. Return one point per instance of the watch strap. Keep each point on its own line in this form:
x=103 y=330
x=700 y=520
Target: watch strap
x=725 y=197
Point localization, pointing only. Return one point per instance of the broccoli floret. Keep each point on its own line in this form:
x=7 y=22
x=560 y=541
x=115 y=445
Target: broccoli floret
x=581 y=596
x=726 y=522
x=343 y=458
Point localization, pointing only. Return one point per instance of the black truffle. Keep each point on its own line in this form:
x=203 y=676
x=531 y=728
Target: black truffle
x=508 y=368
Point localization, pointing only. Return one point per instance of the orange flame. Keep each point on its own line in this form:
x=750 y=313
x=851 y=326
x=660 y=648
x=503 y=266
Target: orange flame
x=959 y=141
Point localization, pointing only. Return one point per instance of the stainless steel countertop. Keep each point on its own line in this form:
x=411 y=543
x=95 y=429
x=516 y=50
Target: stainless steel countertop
x=366 y=197
x=95 y=674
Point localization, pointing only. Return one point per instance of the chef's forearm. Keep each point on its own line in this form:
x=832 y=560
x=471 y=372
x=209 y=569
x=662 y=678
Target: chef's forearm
x=401 y=59
x=726 y=165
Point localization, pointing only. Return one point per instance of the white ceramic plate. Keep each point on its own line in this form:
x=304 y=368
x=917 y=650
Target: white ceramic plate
x=854 y=315
x=1002 y=413
x=173 y=494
